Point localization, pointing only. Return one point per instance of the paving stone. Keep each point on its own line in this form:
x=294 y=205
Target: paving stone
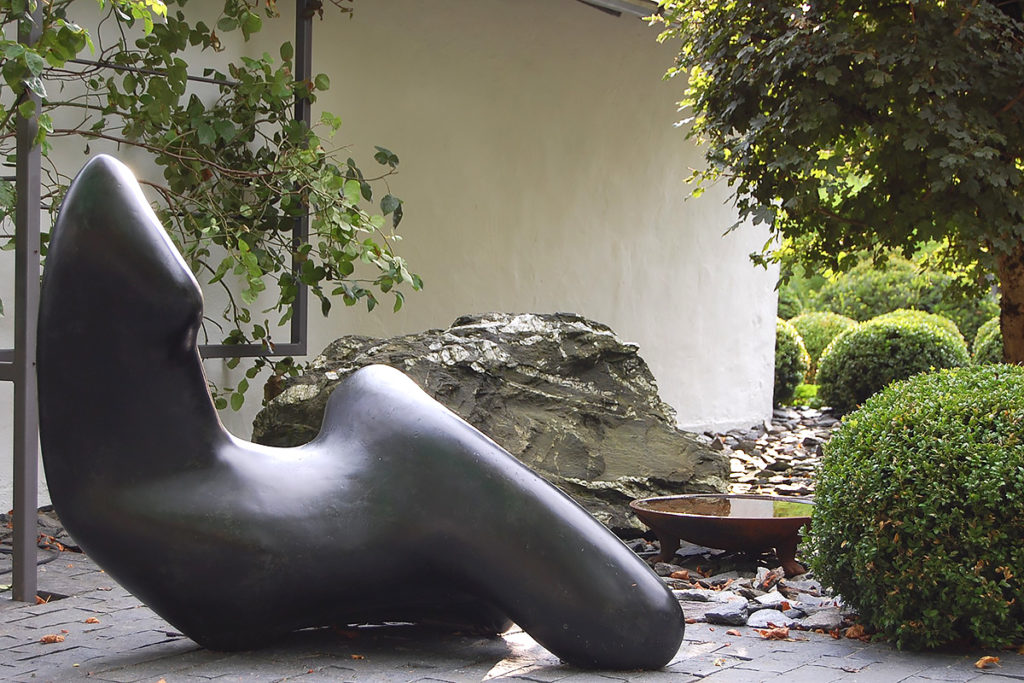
x=131 y=644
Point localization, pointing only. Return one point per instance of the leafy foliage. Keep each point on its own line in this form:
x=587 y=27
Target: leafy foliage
x=791 y=361
x=869 y=290
x=868 y=357
x=988 y=343
x=237 y=169
x=917 y=519
x=790 y=305
x=937 y=321
x=856 y=126
x=818 y=329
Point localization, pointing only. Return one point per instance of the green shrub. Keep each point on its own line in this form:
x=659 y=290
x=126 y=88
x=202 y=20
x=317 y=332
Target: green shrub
x=988 y=343
x=791 y=361
x=917 y=522
x=864 y=359
x=934 y=319
x=867 y=291
x=818 y=329
x=789 y=302
x=968 y=314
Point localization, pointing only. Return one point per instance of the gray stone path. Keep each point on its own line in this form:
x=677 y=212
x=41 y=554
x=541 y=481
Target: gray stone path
x=109 y=636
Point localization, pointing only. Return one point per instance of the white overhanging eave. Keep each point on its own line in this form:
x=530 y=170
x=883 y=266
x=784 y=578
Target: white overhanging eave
x=638 y=8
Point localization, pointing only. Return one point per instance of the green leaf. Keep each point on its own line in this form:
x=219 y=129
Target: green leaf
x=236 y=401
x=322 y=82
x=206 y=134
x=352 y=191
x=389 y=203
x=251 y=23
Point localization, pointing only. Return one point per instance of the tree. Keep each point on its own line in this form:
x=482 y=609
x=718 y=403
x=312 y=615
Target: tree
x=851 y=126
x=237 y=168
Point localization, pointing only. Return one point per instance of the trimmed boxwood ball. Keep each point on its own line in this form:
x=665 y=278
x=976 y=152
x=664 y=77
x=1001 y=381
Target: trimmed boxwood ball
x=866 y=358
x=791 y=361
x=935 y=319
x=868 y=290
x=918 y=518
x=818 y=329
x=789 y=302
x=988 y=343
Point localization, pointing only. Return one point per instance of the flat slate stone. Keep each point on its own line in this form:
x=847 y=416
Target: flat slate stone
x=731 y=613
x=765 y=618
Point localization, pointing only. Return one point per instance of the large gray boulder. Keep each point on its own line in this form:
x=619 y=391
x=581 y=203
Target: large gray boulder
x=560 y=392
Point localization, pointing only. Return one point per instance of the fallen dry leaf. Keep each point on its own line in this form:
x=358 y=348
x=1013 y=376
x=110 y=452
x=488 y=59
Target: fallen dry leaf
x=785 y=606
x=984 y=662
x=719 y=662
x=777 y=633
x=681 y=574
x=733 y=632
x=357 y=657
x=856 y=632
x=92 y=620
x=51 y=638
x=691 y=620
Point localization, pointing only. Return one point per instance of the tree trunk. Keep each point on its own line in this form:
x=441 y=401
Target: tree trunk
x=1011 y=304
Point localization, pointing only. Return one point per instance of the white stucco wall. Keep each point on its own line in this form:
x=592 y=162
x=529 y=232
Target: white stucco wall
x=541 y=172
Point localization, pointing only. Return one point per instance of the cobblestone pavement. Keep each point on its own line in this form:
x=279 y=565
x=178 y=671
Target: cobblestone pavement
x=102 y=633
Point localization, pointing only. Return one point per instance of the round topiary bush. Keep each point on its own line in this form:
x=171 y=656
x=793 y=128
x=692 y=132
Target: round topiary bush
x=968 y=314
x=818 y=329
x=988 y=343
x=939 y=321
x=917 y=522
x=863 y=360
x=791 y=361
x=789 y=302
x=867 y=291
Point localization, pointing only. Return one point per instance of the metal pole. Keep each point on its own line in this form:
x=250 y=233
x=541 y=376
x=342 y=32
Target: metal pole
x=26 y=309
x=303 y=112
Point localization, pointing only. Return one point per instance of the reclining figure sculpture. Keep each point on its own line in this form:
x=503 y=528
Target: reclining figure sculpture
x=398 y=510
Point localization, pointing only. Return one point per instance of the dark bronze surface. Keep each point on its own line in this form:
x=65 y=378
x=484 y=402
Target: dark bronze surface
x=398 y=510
x=704 y=519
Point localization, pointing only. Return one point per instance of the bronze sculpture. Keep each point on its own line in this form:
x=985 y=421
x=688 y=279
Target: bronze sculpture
x=235 y=543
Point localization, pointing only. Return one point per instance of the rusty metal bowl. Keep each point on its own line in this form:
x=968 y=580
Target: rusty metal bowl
x=749 y=523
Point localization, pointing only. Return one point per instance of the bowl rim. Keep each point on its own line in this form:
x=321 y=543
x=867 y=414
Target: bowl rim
x=640 y=505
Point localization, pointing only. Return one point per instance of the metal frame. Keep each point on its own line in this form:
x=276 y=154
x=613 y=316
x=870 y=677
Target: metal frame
x=18 y=365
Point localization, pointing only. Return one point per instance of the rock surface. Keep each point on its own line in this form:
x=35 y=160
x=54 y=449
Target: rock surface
x=562 y=393
x=778 y=457
x=740 y=589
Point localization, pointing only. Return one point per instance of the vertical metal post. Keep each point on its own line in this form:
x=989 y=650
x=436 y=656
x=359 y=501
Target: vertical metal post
x=303 y=112
x=26 y=309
